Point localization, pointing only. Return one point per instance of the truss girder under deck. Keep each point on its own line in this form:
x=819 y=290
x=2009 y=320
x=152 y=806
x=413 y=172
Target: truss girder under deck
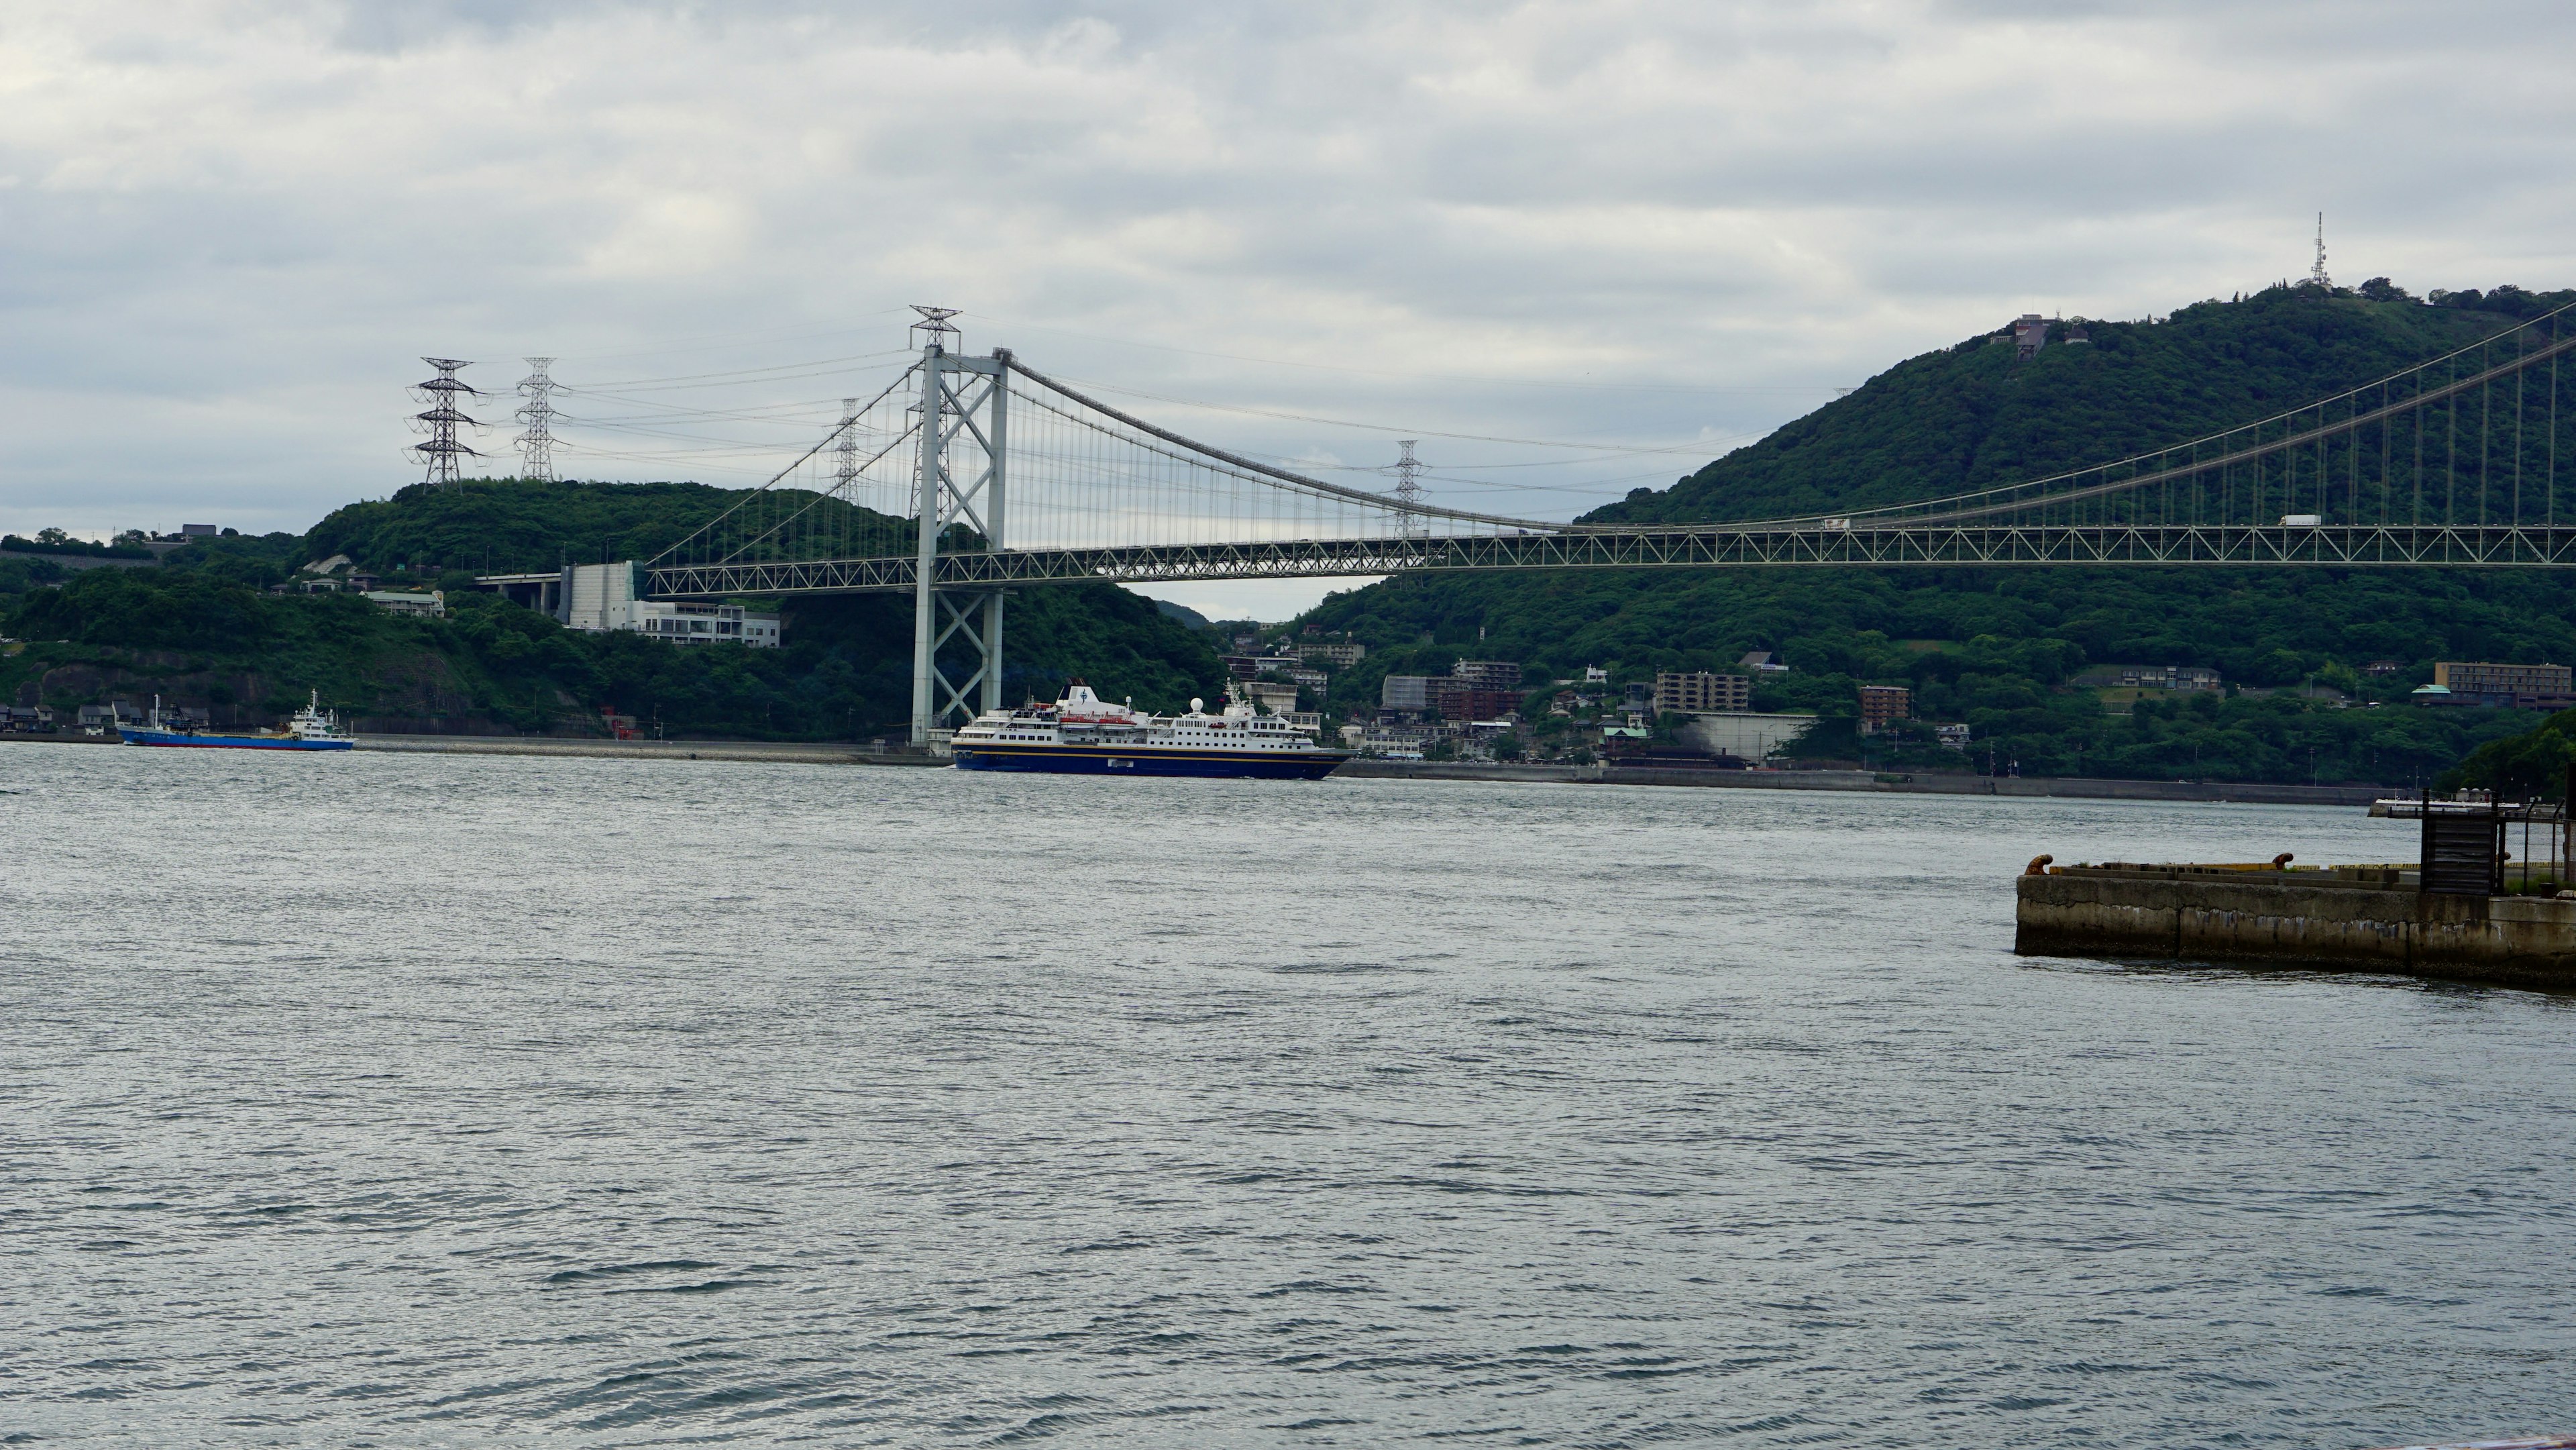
x=1707 y=546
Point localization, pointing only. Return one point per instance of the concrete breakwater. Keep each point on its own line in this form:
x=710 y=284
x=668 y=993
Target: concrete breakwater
x=2371 y=918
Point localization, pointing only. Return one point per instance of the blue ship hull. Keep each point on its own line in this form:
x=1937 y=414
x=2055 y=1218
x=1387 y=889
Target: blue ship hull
x=1132 y=760
x=228 y=742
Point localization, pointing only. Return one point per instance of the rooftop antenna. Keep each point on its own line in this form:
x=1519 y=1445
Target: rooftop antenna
x=442 y=450
x=2318 y=273
x=536 y=446
x=934 y=322
x=1408 y=489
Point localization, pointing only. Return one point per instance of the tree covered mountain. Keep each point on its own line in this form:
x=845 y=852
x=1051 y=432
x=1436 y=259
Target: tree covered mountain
x=1973 y=415
x=203 y=628
x=1998 y=648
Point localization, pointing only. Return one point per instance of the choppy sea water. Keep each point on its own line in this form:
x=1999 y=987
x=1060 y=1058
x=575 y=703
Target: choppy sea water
x=417 y=1100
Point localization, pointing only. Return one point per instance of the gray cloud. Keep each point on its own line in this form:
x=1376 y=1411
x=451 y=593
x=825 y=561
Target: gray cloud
x=228 y=230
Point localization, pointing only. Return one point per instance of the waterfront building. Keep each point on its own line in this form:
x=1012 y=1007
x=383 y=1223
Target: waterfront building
x=1883 y=704
x=601 y=597
x=1701 y=693
x=705 y=623
x=1744 y=735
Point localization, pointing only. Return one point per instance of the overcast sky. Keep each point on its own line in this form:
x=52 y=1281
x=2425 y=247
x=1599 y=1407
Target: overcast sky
x=228 y=231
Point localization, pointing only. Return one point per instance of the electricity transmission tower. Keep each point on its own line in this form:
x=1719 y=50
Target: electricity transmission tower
x=846 y=471
x=1408 y=489
x=536 y=446
x=442 y=450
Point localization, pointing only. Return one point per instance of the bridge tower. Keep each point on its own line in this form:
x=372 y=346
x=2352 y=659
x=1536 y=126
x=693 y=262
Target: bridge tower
x=959 y=502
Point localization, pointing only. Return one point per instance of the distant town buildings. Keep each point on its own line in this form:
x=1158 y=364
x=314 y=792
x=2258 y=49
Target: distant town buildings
x=1407 y=693
x=1458 y=700
x=2149 y=677
x=1701 y=693
x=1746 y=736
x=2483 y=679
x=1340 y=654
x=1761 y=662
x=2459 y=682
x=705 y=623
x=1276 y=698
x=601 y=597
x=1883 y=704
x=1952 y=737
x=432 y=605
x=1487 y=674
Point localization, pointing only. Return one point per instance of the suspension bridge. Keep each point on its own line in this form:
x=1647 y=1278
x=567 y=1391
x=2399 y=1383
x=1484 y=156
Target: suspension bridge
x=971 y=476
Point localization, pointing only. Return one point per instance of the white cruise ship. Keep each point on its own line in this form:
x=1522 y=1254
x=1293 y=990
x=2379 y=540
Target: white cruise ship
x=1083 y=734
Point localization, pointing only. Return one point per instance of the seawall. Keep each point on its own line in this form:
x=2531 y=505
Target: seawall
x=765 y=750
x=2067 y=787
x=2350 y=918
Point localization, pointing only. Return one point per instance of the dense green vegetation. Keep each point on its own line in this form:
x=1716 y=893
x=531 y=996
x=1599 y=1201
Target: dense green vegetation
x=56 y=541
x=203 y=629
x=1999 y=648
x=2529 y=766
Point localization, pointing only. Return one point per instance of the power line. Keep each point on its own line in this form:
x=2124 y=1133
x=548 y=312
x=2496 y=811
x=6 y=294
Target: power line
x=1692 y=447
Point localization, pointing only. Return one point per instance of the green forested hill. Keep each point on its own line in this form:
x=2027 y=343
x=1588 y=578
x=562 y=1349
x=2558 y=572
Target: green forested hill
x=1972 y=416
x=203 y=629
x=1996 y=648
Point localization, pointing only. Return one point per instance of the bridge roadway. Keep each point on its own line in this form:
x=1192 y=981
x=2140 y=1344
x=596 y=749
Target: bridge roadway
x=1692 y=546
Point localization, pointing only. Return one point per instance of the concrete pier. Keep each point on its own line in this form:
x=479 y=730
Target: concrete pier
x=2370 y=918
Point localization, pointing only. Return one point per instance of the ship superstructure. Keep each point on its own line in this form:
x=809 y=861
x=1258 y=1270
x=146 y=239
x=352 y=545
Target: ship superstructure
x=1084 y=734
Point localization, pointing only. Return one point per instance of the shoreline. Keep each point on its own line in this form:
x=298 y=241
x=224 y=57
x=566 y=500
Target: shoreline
x=845 y=753
x=782 y=751
x=2030 y=787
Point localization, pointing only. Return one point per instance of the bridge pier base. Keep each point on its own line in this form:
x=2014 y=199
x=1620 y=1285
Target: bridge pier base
x=971 y=616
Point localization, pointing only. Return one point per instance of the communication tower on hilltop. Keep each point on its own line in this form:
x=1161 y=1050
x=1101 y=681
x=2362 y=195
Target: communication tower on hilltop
x=2317 y=274
x=442 y=450
x=536 y=446
x=1408 y=489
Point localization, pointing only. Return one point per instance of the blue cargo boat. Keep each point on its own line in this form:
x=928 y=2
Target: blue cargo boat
x=311 y=729
x=1082 y=734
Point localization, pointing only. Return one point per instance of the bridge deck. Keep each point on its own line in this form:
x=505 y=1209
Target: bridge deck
x=1698 y=546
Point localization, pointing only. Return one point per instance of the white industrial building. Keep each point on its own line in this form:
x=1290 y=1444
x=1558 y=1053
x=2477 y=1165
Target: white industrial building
x=602 y=597
x=1745 y=736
